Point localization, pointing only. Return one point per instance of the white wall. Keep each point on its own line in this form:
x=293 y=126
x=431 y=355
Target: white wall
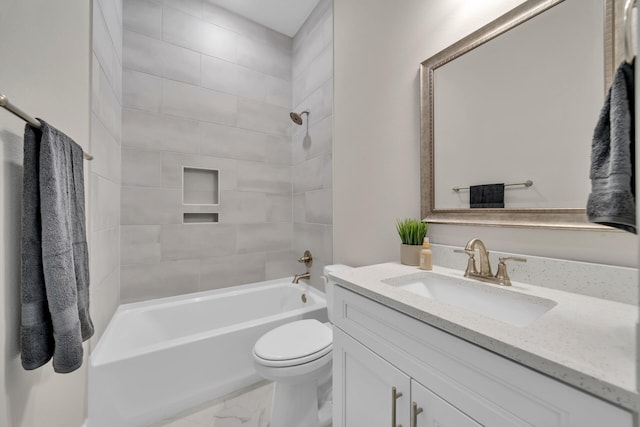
x=377 y=135
x=45 y=54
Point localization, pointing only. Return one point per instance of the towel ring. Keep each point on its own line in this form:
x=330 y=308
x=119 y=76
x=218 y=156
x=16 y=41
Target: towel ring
x=628 y=30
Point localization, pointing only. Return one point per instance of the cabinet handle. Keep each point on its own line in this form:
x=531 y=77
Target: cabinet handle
x=395 y=395
x=414 y=414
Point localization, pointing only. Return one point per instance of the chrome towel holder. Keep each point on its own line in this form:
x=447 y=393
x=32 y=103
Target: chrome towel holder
x=4 y=103
x=528 y=183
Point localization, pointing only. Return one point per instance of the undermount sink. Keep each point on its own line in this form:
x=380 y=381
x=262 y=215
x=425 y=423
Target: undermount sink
x=480 y=298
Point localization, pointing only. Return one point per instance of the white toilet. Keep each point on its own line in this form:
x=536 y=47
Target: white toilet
x=296 y=356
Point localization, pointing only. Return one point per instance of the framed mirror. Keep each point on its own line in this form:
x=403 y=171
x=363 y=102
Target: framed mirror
x=516 y=103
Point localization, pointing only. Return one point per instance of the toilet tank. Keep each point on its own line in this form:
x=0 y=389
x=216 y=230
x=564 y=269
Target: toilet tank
x=329 y=285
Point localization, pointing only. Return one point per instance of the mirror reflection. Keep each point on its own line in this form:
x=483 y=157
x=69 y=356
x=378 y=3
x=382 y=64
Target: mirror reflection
x=516 y=108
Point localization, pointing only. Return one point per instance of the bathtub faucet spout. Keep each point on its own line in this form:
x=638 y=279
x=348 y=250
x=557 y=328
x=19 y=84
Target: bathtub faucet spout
x=297 y=277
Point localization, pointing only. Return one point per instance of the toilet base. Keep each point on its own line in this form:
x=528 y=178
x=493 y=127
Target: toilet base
x=295 y=405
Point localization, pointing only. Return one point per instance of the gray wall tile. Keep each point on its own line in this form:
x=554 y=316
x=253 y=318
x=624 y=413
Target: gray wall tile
x=192 y=7
x=264 y=117
x=140 y=244
x=280 y=264
x=187 y=31
x=141 y=91
x=103 y=47
x=193 y=241
x=193 y=102
x=109 y=107
x=264 y=57
x=299 y=211
x=151 y=131
x=143 y=282
x=279 y=208
x=232 y=270
x=319 y=207
x=235 y=143
x=104 y=196
x=145 y=206
x=278 y=92
x=105 y=170
x=314 y=75
x=243 y=207
x=159 y=58
x=104 y=255
x=112 y=13
x=264 y=237
x=143 y=16
x=178 y=63
x=314 y=44
x=225 y=95
x=311 y=174
x=105 y=149
x=223 y=18
x=227 y=77
x=142 y=53
x=254 y=176
x=105 y=299
x=141 y=168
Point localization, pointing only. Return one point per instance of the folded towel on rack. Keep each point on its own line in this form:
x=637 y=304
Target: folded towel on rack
x=58 y=199
x=486 y=196
x=612 y=198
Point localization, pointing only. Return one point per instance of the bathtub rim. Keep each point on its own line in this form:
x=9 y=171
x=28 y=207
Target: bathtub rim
x=96 y=358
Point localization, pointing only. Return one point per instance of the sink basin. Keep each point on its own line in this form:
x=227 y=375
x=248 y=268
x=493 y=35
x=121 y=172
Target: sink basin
x=480 y=298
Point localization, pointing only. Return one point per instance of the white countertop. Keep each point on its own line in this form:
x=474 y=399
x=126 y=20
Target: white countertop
x=583 y=341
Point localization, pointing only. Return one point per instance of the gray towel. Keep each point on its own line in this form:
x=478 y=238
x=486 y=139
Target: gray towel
x=612 y=198
x=55 y=288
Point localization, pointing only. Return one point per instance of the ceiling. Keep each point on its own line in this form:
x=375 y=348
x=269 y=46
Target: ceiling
x=283 y=16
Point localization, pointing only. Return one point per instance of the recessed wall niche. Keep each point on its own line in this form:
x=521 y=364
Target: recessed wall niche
x=200 y=186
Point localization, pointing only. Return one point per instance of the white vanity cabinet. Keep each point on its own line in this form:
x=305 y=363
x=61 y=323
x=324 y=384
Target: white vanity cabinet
x=455 y=383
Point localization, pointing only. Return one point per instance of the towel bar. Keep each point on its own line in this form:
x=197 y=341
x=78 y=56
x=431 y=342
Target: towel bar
x=528 y=183
x=4 y=103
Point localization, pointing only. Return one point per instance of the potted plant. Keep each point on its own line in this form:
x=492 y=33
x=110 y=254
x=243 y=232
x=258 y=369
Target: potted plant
x=412 y=232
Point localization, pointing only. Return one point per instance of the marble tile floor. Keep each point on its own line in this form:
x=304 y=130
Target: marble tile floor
x=250 y=407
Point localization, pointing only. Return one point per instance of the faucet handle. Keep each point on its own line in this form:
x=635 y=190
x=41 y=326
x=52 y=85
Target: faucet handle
x=471 y=264
x=307 y=259
x=502 y=275
x=511 y=258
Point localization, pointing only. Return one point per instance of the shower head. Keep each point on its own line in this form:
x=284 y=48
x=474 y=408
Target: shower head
x=297 y=118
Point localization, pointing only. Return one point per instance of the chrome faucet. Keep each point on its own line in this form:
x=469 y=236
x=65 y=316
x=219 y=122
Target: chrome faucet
x=297 y=277
x=307 y=260
x=485 y=274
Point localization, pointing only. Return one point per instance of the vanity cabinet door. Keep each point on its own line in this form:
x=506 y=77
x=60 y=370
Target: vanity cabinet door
x=430 y=410
x=363 y=387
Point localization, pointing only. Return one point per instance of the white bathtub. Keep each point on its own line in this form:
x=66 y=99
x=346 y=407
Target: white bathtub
x=157 y=358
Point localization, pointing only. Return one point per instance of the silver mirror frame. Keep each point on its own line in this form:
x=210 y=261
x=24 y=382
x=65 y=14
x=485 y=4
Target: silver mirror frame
x=532 y=217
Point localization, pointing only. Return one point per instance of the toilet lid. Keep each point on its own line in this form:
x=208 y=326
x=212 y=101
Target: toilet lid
x=295 y=340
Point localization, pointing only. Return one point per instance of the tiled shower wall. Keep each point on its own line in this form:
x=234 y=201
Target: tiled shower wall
x=312 y=74
x=104 y=193
x=203 y=88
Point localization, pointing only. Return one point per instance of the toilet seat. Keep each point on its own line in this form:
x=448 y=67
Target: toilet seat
x=294 y=344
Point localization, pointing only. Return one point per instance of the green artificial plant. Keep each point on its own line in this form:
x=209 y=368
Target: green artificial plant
x=412 y=231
